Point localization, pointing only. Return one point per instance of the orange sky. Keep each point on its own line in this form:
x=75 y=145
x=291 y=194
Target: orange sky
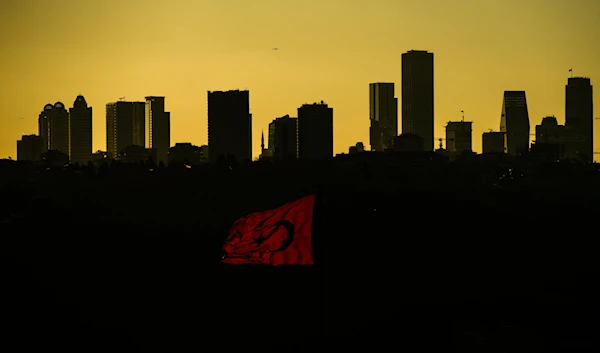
x=330 y=50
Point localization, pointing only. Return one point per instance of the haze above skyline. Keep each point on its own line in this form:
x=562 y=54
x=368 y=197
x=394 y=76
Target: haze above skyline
x=328 y=50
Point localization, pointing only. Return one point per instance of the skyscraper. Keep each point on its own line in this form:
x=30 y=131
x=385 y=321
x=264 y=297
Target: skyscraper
x=229 y=125
x=44 y=126
x=315 y=131
x=53 y=126
x=123 y=121
x=80 y=131
x=417 y=95
x=514 y=121
x=283 y=138
x=159 y=127
x=383 y=114
x=579 y=117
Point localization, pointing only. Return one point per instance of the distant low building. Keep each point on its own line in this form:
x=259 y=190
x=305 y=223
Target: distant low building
x=30 y=148
x=185 y=152
x=55 y=158
x=408 y=143
x=136 y=154
x=494 y=142
x=358 y=148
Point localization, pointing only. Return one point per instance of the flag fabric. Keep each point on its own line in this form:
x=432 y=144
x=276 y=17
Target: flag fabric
x=570 y=70
x=281 y=236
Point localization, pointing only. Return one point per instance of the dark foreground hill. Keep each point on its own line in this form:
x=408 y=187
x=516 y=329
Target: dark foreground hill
x=421 y=263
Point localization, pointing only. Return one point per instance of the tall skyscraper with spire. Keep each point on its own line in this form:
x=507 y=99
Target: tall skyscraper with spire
x=80 y=131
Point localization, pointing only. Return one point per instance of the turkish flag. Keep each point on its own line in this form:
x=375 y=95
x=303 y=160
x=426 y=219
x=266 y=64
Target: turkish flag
x=281 y=236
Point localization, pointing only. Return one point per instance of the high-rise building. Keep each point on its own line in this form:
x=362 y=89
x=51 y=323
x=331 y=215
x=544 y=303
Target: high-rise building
x=283 y=138
x=123 y=121
x=315 y=131
x=30 y=148
x=579 y=118
x=44 y=126
x=80 y=131
x=53 y=127
x=229 y=125
x=383 y=115
x=493 y=142
x=515 y=122
x=417 y=95
x=159 y=127
x=459 y=136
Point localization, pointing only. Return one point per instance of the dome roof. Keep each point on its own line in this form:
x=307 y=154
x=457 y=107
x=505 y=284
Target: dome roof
x=59 y=105
x=48 y=106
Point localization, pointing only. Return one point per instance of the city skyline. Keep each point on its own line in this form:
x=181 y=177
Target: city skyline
x=472 y=69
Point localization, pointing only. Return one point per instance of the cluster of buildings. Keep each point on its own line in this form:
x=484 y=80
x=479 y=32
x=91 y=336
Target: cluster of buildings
x=137 y=131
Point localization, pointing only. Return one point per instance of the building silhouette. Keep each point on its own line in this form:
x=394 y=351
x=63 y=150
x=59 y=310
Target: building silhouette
x=229 y=125
x=494 y=142
x=315 y=131
x=158 y=127
x=407 y=142
x=383 y=115
x=459 y=136
x=30 y=148
x=550 y=139
x=417 y=95
x=514 y=120
x=283 y=138
x=185 y=152
x=80 y=131
x=123 y=121
x=53 y=127
x=579 y=117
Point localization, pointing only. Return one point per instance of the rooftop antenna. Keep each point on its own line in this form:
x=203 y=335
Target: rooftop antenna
x=571 y=71
x=463 y=115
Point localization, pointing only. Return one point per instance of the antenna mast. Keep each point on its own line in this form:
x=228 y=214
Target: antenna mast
x=463 y=115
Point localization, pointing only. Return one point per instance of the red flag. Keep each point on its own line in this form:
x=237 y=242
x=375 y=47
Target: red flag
x=282 y=236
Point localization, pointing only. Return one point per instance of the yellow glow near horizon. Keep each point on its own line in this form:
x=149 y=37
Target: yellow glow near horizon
x=329 y=50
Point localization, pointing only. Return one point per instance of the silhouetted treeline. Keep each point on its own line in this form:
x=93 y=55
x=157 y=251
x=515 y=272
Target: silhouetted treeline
x=413 y=252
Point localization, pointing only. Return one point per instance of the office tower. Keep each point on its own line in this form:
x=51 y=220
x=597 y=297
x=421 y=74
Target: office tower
x=44 y=126
x=579 y=117
x=459 y=136
x=417 y=95
x=123 y=121
x=515 y=122
x=383 y=115
x=53 y=127
x=315 y=131
x=30 y=148
x=229 y=125
x=159 y=127
x=493 y=142
x=283 y=138
x=80 y=131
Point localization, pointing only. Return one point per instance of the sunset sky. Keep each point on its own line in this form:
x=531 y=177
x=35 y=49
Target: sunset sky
x=53 y=50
